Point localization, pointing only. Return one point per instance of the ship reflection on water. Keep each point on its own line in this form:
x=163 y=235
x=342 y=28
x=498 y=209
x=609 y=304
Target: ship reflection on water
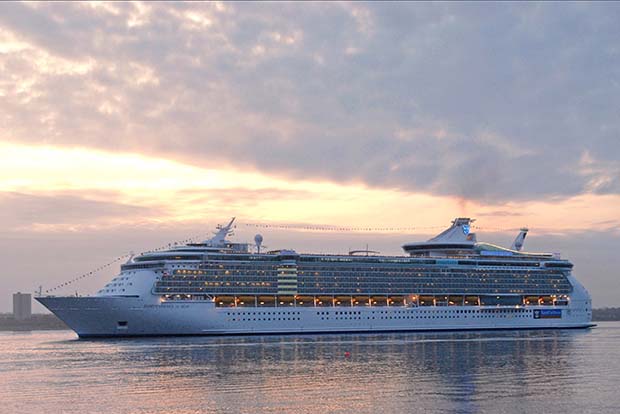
x=434 y=371
x=507 y=371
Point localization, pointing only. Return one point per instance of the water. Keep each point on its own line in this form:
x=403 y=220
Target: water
x=571 y=371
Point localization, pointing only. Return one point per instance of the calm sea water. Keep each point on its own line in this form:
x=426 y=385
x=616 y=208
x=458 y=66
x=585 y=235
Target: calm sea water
x=572 y=371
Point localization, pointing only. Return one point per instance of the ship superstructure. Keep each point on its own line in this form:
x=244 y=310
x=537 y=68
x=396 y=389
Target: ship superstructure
x=449 y=282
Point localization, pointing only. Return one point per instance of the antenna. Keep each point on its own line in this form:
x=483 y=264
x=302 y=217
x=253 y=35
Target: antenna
x=258 y=239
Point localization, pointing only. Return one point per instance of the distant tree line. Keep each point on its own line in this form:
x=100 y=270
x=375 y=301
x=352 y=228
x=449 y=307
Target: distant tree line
x=606 y=314
x=35 y=322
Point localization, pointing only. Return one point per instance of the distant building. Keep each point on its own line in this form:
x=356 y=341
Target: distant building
x=22 y=305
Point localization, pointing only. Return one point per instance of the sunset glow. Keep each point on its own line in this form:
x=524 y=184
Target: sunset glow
x=186 y=193
x=130 y=124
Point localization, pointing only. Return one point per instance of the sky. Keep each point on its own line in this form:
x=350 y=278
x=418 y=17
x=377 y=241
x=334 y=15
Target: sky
x=127 y=126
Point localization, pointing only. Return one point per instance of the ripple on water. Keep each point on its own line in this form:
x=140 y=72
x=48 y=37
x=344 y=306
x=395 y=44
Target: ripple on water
x=506 y=371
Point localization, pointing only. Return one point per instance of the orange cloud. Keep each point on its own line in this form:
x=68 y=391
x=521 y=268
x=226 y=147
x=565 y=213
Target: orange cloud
x=175 y=192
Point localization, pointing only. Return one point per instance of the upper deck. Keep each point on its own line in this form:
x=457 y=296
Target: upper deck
x=456 y=246
x=218 y=266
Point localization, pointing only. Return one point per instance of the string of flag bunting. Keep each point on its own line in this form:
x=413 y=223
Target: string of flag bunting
x=337 y=228
x=91 y=273
x=116 y=260
x=359 y=229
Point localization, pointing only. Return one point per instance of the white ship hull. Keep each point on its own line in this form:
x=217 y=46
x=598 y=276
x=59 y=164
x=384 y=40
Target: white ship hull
x=123 y=316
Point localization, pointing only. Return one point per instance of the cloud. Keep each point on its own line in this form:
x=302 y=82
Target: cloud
x=491 y=102
x=36 y=211
x=68 y=210
x=499 y=213
x=245 y=195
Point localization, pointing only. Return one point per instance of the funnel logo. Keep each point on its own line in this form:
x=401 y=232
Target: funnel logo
x=465 y=229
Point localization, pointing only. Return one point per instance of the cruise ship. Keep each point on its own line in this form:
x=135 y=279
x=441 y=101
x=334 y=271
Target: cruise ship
x=216 y=287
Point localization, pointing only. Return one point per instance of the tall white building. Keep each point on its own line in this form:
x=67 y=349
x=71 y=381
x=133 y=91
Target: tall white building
x=22 y=305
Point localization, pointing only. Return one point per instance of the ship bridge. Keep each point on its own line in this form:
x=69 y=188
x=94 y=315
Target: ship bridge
x=457 y=239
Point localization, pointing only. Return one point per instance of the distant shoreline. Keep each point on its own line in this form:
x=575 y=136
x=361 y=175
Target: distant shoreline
x=49 y=322
x=37 y=322
x=606 y=314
